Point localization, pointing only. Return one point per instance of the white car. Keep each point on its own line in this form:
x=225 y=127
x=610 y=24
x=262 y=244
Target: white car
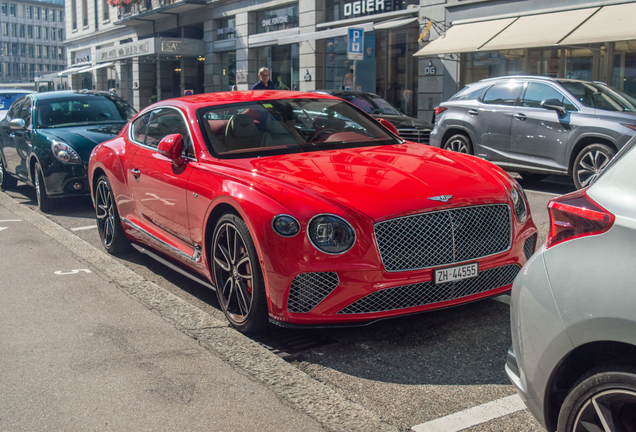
x=573 y=309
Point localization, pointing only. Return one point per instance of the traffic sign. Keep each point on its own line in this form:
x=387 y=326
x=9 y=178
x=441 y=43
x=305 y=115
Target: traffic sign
x=356 y=44
x=188 y=92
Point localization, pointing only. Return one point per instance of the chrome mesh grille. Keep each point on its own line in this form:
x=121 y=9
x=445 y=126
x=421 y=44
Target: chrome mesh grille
x=416 y=135
x=443 y=237
x=529 y=245
x=309 y=289
x=421 y=294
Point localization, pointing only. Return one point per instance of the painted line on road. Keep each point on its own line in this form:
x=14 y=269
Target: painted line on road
x=84 y=228
x=552 y=194
x=11 y=220
x=473 y=416
x=505 y=299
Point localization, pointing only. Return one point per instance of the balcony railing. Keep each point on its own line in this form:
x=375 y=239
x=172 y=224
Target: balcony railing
x=144 y=6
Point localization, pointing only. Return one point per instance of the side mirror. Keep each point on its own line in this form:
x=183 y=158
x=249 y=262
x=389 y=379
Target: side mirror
x=171 y=146
x=17 y=124
x=390 y=126
x=553 y=104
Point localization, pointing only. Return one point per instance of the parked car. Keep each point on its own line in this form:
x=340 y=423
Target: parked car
x=46 y=139
x=8 y=96
x=538 y=126
x=409 y=128
x=301 y=209
x=573 y=355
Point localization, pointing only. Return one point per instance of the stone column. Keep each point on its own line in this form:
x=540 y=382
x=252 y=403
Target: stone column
x=311 y=53
x=158 y=80
x=246 y=70
x=209 y=31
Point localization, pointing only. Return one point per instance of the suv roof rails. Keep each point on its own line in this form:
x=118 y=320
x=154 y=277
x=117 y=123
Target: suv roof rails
x=519 y=77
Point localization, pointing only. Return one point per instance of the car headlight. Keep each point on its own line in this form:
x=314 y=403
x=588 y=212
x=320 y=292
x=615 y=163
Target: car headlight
x=520 y=204
x=285 y=225
x=331 y=234
x=65 y=153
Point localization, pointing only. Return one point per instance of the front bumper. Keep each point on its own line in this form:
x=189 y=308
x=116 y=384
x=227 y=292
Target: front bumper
x=64 y=180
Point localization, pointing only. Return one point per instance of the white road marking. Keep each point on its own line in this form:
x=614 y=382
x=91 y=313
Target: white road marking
x=84 y=228
x=11 y=220
x=473 y=416
x=3 y=228
x=505 y=299
x=60 y=272
x=552 y=194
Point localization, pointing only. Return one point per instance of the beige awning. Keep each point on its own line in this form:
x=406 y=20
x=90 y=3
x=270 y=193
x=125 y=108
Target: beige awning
x=72 y=70
x=99 y=66
x=611 y=23
x=464 y=38
x=538 y=30
x=386 y=25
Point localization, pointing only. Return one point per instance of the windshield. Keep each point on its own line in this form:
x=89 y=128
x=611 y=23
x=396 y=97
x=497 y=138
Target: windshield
x=372 y=104
x=284 y=126
x=6 y=99
x=600 y=96
x=82 y=110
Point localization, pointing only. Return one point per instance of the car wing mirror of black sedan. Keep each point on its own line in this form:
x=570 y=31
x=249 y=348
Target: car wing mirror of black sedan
x=171 y=146
x=553 y=104
x=17 y=124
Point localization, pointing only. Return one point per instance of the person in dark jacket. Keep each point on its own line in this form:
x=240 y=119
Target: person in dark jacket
x=264 y=83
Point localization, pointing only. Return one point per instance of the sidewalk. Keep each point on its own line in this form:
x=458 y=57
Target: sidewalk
x=78 y=353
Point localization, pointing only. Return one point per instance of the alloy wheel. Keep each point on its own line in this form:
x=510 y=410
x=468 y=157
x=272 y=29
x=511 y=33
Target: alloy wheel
x=457 y=145
x=233 y=273
x=105 y=212
x=590 y=166
x=613 y=410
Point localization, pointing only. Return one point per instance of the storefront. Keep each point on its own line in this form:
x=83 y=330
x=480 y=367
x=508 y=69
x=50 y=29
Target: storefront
x=593 y=44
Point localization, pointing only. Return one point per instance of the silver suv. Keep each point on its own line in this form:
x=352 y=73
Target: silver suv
x=538 y=126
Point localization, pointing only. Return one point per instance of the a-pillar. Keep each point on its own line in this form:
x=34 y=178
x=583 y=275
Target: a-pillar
x=246 y=70
x=311 y=53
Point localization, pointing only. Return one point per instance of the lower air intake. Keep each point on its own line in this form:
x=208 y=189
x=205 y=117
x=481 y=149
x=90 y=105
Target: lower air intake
x=428 y=293
x=309 y=289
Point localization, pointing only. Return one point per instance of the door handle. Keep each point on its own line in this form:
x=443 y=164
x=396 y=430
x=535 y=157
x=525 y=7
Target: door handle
x=473 y=112
x=135 y=172
x=520 y=116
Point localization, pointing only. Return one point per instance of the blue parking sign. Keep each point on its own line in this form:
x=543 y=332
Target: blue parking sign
x=356 y=44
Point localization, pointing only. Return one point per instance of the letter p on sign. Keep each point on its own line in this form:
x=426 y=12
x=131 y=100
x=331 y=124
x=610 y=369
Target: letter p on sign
x=356 y=44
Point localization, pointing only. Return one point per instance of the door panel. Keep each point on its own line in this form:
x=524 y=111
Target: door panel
x=11 y=156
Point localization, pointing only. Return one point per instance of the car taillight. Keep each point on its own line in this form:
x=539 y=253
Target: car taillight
x=576 y=215
x=439 y=110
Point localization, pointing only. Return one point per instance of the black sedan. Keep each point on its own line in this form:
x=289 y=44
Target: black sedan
x=409 y=128
x=46 y=139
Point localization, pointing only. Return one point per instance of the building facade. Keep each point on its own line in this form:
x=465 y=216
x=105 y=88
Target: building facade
x=416 y=53
x=31 y=39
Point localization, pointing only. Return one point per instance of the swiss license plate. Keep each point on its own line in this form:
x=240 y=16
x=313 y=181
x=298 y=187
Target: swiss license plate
x=450 y=274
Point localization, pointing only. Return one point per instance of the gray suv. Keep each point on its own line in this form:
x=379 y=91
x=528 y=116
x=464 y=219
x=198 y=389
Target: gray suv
x=538 y=126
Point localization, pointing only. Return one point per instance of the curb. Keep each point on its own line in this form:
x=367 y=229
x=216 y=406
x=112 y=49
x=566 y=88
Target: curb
x=332 y=410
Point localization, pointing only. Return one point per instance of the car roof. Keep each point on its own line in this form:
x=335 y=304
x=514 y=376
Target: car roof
x=218 y=98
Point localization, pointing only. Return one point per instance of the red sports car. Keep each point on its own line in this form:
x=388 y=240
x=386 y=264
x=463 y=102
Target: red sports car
x=300 y=209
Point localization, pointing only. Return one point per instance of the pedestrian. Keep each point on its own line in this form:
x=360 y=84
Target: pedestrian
x=234 y=88
x=264 y=83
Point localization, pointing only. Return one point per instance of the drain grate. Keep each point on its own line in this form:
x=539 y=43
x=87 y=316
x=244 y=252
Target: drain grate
x=289 y=343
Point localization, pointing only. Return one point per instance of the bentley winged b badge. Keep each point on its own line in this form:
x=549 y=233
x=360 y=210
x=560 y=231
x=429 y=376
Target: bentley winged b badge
x=442 y=198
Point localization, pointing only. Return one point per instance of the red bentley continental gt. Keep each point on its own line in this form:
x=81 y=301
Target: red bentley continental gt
x=300 y=209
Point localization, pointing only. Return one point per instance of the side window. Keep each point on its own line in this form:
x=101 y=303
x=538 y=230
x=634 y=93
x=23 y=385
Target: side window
x=537 y=92
x=502 y=93
x=166 y=121
x=25 y=112
x=15 y=108
x=139 y=127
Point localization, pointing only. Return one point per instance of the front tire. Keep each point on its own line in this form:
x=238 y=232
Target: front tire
x=459 y=143
x=109 y=226
x=6 y=181
x=45 y=203
x=237 y=275
x=605 y=396
x=590 y=163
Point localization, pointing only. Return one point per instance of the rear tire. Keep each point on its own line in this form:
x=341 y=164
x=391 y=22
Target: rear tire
x=604 y=394
x=590 y=163
x=6 y=181
x=237 y=276
x=45 y=204
x=459 y=143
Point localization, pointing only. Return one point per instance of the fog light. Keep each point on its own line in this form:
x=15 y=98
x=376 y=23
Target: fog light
x=78 y=186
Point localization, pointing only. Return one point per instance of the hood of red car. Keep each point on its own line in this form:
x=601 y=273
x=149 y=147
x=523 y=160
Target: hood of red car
x=388 y=181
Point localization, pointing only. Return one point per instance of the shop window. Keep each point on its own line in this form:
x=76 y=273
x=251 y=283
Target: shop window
x=545 y=62
x=624 y=67
x=227 y=29
x=228 y=77
x=282 y=62
x=277 y=19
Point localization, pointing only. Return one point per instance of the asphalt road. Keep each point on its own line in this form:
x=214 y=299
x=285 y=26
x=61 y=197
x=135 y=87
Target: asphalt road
x=417 y=371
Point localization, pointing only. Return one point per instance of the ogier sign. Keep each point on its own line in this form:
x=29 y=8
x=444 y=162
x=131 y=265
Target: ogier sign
x=363 y=7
